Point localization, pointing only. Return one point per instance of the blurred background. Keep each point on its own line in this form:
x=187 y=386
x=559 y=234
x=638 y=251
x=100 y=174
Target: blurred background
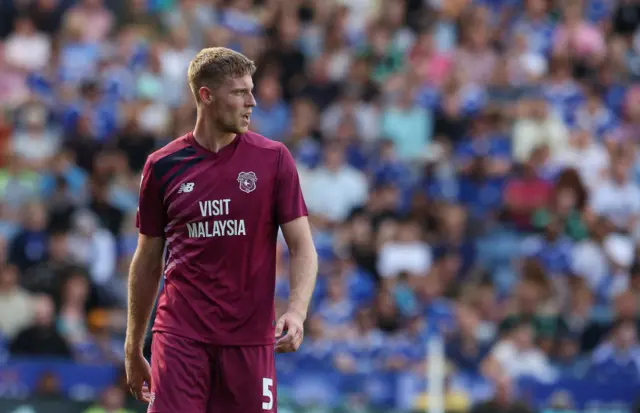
x=471 y=168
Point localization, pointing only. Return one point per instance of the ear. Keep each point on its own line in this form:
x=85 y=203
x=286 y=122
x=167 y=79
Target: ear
x=206 y=96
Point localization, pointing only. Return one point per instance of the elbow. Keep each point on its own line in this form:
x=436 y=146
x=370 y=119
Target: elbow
x=304 y=249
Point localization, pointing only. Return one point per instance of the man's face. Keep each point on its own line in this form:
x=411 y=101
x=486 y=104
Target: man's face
x=232 y=103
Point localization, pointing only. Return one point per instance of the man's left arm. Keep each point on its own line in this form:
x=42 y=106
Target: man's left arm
x=303 y=265
x=303 y=270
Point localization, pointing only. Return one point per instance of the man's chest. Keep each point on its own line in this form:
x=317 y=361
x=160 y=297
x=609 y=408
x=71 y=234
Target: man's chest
x=225 y=198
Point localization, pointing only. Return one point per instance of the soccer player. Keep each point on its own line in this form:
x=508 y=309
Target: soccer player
x=215 y=199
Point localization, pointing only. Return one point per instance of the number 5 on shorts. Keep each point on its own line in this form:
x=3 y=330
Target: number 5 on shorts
x=267 y=384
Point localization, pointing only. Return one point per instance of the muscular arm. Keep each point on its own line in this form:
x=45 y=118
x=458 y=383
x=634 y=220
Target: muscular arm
x=144 y=280
x=303 y=266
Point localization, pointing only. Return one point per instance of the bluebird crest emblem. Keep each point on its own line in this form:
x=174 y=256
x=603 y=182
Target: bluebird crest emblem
x=247 y=181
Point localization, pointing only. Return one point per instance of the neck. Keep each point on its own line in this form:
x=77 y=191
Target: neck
x=209 y=135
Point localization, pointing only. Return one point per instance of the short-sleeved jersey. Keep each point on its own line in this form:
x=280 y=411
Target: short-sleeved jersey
x=219 y=214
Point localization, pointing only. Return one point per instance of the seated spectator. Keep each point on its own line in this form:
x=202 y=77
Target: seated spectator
x=18 y=185
x=27 y=49
x=408 y=125
x=41 y=339
x=406 y=253
x=45 y=277
x=552 y=249
x=619 y=357
x=567 y=359
x=362 y=343
x=618 y=197
x=93 y=246
x=386 y=313
x=407 y=350
x=16 y=304
x=503 y=401
x=35 y=142
x=112 y=400
x=29 y=247
x=72 y=318
x=533 y=301
x=526 y=193
x=49 y=387
x=567 y=201
x=335 y=188
x=516 y=356
x=538 y=126
x=336 y=309
x=467 y=347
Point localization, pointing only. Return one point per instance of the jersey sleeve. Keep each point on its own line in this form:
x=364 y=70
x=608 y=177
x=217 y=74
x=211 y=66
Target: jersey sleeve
x=289 y=200
x=150 y=218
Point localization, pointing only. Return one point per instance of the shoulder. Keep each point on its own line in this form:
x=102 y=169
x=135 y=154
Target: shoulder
x=263 y=143
x=178 y=145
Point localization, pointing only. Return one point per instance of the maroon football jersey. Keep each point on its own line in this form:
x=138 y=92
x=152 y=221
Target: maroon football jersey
x=219 y=214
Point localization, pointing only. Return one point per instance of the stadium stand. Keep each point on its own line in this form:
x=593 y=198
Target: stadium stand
x=471 y=169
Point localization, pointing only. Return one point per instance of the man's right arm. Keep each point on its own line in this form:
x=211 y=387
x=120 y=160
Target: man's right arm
x=146 y=266
x=144 y=281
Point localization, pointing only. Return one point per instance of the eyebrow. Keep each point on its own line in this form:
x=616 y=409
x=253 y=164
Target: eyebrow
x=242 y=89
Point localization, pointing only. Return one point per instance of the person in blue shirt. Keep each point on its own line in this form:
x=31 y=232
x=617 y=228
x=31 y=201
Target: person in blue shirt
x=619 y=358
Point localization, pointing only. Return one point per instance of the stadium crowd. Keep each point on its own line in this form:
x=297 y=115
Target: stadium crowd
x=471 y=169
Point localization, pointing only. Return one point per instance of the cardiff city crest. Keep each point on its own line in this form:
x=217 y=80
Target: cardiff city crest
x=247 y=181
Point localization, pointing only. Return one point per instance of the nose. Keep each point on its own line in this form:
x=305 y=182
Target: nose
x=251 y=101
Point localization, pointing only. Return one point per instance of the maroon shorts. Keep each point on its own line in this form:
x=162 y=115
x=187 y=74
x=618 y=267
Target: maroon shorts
x=192 y=377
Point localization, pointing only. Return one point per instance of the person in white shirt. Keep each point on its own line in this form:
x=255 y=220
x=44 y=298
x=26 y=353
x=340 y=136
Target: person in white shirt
x=26 y=49
x=334 y=189
x=588 y=157
x=93 y=246
x=517 y=356
x=36 y=144
x=16 y=304
x=618 y=198
x=407 y=253
x=538 y=126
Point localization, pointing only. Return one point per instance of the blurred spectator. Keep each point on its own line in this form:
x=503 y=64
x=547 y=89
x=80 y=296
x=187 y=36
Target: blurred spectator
x=515 y=356
x=16 y=307
x=41 y=338
x=538 y=126
x=271 y=116
x=526 y=193
x=18 y=184
x=407 y=125
x=361 y=343
x=93 y=246
x=618 y=197
x=467 y=347
x=470 y=169
x=49 y=387
x=335 y=188
x=406 y=252
x=26 y=49
x=111 y=401
x=72 y=318
x=36 y=145
x=621 y=355
x=29 y=247
x=589 y=157
x=503 y=401
x=45 y=276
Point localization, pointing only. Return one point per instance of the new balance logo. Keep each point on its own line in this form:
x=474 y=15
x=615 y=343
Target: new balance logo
x=186 y=187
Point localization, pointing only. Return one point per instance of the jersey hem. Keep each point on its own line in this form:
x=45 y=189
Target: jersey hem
x=214 y=342
x=290 y=218
x=151 y=234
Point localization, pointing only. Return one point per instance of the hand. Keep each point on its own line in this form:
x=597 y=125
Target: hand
x=138 y=376
x=293 y=323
